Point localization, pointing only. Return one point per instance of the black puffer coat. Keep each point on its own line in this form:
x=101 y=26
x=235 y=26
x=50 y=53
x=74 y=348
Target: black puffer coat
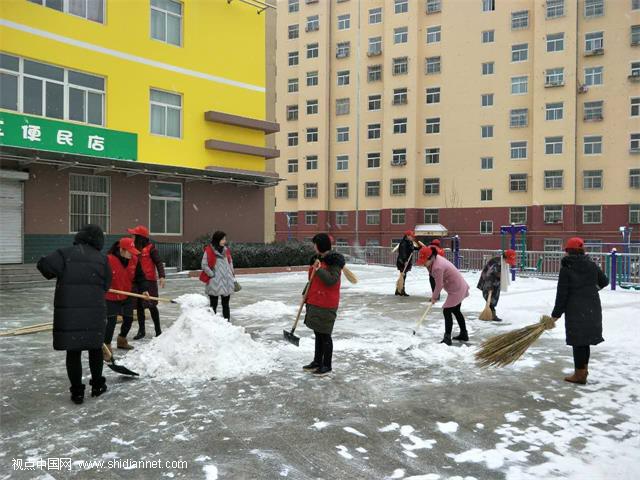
x=83 y=276
x=577 y=298
x=405 y=250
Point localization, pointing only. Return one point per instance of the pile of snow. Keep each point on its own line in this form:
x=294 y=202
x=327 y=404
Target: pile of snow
x=267 y=310
x=200 y=346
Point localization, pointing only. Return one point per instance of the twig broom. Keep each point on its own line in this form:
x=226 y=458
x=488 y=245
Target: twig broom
x=503 y=350
x=487 y=314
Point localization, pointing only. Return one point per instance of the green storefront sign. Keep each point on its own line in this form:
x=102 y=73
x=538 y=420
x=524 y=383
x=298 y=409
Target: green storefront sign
x=39 y=133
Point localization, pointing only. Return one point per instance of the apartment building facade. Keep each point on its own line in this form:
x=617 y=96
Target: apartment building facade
x=472 y=114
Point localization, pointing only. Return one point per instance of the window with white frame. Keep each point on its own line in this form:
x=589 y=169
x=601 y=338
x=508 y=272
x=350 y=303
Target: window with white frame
x=593 y=110
x=593 y=76
x=373 y=217
x=90 y=9
x=312 y=78
x=398 y=186
x=518 y=150
x=374 y=73
x=294 y=6
x=311 y=162
x=342 y=218
x=398 y=216
x=635 y=106
x=593 y=145
x=520 y=20
x=342 y=190
x=400 y=66
x=373 y=160
x=553 y=145
x=312 y=134
x=293 y=58
x=400 y=96
x=292 y=219
x=311 y=218
x=433 y=6
x=518 y=182
x=486 y=100
x=373 y=131
x=553 y=179
x=166 y=21
x=555 y=8
x=520 y=52
x=343 y=78
x=431 y=186
x=342 y=134
x=310 y=190
x=434 y=34
x=486 y=163
x=41 y=89
x=374 y=103
x=312 y=107
x=432 y=125
x=433 y=95
x=400 y=35
x=488 y=68
x=432 y=155
x=400 y=6
x=519 y=85
x=488 y=36
x=433 y=65
x=554 y=111
x=486 y=131
x=292 y=139
x=552 y=245
x=552 y=213
x=635 y=69
x=634 y=178
x=486 y=227
x=555 y=42
x=635 y=35
x=375 y=16
x=518 y=215
x=344 y=21
x=342 y=162
x=399 y=125
x=593 y=245
x=292 y=192
x=399 y=156
x=343 y=106
x=593 y=42
x=292 y=112
x=375 y=46
x=488 y=5
x=292 y=165
x=343 y=49
x=486 y=194
x=519 y=117
x=634 y=142
x=313 y=23
x=313 y=51
x=593 y=8
x=293 y=31
x=592 y=214
x=89 y=201
x=165 y=208
x=635 y=4
x=554 y=77
x=431 y=215
x=634 y=213
x=592 y=179
x=292 y=85
x=372 y=188
x=166 y=113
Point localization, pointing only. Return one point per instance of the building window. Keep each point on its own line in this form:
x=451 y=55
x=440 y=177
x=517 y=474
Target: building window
x=555 y=8
x=399 y=157
x=593 y=110
x=520 y=52
x=553 y=145
x=292 y=85
x=552 y=245
x=593 y=76
x=343 y=106
x=312 y=135
x=400 y=6
x=310 y=190
x=592 y=179
x=635 y=107
x=432 y=125
x=398 y=216
x=373 y=217
x=635 y=4
x=292 y=192
x=375 y=16
x=518 y=215
x=342 y=218
x=398 y=186
x=634 y=143
x=553 y=214
x=486 y=163
x=594 y=42
x=399 y=96
x=635 y=69
x=293 y=59
x=431 y=215
x=593 y=145
x=519 y=117
x=433 y=95
x=375 y=46
x=635 y=35
x=311 y=218
x=518 y=182
x=313 y=51
x=399 y=125
x=488 y=36
x=432 y=65
x=553 y=179
x=374 y=103
x=343 y=49
x=293 y=31
x=486 y=195
x=342 y=162
x=292 y=166
x=372 y=189
x=292 y=112
x=292 y=139
x=432 y=155
x=400 y=35
x=89 y=200
x=434 y=34
x=634 y=178
x=434 y=6
x=292 y=219
x=313 y=23
x=312 y=79
x=373 y=131
x=373 y=160
x=165 y=208
x=90 y=9
x=400 y=66
x=312 y=162
x=593 y=8
x=554 y=111
x=166 y=21
x=554 y=77
x=344 y=22
x=294 y=6
x=634 y=213
x=343 y=78
x=342 y=190
x=518 y=150
x=486 y=99
x=486 y=227
x=166 y=113
x=519 y=85
x=486 y=131
x=488 y=5
x=592 y=214
x=374 y=73
x=342 y=134
x=431 y=186
x=520 y=20
x=555 y=42
x=488 y=68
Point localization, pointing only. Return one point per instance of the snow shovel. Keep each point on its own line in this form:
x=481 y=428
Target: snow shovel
x=289 y=336
x=121 y=369
x=144 y=297
x=424 y=316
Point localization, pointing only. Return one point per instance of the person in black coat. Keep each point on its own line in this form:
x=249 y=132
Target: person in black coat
x=577 y=298
x=405 y=251
x=83 y=276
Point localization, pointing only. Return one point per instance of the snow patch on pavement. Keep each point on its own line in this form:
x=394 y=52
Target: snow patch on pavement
x=448 y=427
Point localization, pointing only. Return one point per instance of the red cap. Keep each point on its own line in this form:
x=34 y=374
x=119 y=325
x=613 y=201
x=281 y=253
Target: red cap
x=510 y=257
x=435 y=242
x=139 y=230
x=423 y=255
x=409 y=233
x=574 y=242
x=128 y=244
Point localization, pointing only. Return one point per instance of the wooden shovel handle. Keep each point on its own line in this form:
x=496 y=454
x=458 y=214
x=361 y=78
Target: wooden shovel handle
x=304 y=299
x=106 y=352
x=137 y=295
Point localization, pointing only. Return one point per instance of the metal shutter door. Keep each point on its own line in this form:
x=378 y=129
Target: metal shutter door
x=10 y=221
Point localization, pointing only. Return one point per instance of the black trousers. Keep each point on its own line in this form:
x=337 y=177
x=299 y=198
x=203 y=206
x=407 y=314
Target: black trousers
x=324 y=349
x=581 y=356
x=226 y=311
x=448 y=319
x=155 y=316
x=432 y=282
x=115 y=308
x=74 y=366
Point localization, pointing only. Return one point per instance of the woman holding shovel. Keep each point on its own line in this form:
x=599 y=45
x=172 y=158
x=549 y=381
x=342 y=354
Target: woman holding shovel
x=491 y=279
x=403 y=263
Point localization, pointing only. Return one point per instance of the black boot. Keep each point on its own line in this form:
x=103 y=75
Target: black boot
x=312 y=366
x=397 y=292
x=139 y=335
x=463 y=337
x=324 y=370
x=447 y=339
x=495 y=317
x=404 y=293
x=98 y=387
x=77 y=393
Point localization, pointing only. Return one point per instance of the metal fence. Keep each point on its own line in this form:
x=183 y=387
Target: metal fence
x=171 y=254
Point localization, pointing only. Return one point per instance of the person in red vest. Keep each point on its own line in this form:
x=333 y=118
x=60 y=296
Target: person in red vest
x=146 y=280
x=217 y=273
x=322 y=301
x=123 y=260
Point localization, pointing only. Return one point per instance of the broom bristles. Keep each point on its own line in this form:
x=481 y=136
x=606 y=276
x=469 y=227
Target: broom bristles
x=350 y=275
x=487 y=314
x=505 y=349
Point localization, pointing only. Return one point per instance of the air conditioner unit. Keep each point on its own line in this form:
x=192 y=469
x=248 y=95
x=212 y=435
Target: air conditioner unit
x=374 y=53
x=398 y=163
x=595 y=51
x=583 y=89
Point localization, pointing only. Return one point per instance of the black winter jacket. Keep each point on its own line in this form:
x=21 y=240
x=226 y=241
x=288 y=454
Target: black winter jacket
x=577 y=298
x=82 y=276
x=405 y=250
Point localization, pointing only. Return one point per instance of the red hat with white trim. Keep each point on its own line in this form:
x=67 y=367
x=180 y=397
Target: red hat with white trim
x=139 y=230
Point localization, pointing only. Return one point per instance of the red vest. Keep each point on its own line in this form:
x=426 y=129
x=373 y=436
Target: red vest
x=121 y=277
x=148 y=267
x=321 y=294
x=212 y=258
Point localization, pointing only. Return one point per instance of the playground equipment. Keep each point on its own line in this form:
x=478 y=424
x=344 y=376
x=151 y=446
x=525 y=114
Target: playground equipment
x=513 y=230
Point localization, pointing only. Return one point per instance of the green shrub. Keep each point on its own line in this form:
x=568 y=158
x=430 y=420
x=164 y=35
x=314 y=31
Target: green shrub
x=251 y=255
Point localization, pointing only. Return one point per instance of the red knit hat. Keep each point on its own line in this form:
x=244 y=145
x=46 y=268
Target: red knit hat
x=423 y=255
x=409 y=233
x=139 y=230
x=510 y=257
x=574 y=243
x=128 y=244
x=435 y=242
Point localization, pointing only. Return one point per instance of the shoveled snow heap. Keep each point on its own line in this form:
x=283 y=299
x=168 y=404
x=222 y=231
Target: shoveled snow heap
x=200 y=346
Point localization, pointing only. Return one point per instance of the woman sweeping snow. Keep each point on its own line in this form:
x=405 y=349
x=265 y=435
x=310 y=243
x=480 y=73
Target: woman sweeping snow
x=217 y=273
x=449 y=279
x=578 y=299
x=491 y=279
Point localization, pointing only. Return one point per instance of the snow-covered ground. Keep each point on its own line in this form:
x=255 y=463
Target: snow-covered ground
x=233 y=402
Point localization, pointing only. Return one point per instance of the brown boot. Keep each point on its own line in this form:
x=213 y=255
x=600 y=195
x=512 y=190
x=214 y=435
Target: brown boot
x=107 y=357
x=123 y=344
x=579 y=376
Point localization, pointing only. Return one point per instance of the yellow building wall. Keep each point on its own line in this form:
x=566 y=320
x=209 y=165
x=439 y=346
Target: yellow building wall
x=219 y=39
